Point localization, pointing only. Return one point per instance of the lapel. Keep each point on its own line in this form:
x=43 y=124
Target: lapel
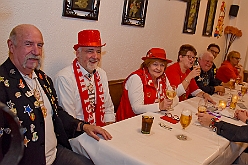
x=18 y=81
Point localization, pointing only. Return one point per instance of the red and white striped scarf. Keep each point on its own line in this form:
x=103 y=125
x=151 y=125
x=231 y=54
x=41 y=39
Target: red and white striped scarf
x=84 y=96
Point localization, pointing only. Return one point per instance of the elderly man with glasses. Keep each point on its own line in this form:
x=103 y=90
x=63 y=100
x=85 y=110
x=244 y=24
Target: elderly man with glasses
x=231 y=69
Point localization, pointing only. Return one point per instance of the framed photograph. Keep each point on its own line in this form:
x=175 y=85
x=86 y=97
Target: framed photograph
x=191 y=16
x=209 y=18
x=84 y=9
x=134 y=12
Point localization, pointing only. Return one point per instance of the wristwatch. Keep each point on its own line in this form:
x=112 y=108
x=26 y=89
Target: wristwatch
x=82 y=125
x=213 y=120
x=246 y=121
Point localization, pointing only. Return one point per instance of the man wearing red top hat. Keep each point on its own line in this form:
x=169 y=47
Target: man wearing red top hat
x=145 y=88
x=82 y=87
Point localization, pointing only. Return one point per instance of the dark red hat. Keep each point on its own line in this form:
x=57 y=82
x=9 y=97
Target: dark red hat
x=157 y=53
x=88 y=38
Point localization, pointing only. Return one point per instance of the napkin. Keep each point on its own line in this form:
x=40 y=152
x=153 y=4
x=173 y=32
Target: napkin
x=169 y=119
x=226 y=113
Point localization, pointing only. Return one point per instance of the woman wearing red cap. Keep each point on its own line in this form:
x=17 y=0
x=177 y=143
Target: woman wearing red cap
x=181 y=76
x=144 y=88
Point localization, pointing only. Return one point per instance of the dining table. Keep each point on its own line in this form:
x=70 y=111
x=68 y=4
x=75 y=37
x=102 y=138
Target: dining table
x=202 y=146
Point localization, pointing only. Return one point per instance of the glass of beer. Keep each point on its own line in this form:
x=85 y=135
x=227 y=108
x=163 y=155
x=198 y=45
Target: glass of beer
x=198 y=67
x=243 y=91
x=234 y=101
x=222 y=104
x=238 y=79
x=146 y=124
x=202 y=107
x=185 y=119
x=171 y=93
x=231 y=84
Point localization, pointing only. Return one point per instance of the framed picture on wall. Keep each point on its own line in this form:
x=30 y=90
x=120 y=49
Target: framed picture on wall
x=209 y=18
x=84 y=9
x=134 y=12
x=191 y=16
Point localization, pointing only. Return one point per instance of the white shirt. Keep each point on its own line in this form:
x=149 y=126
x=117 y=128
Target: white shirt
x=50 y=138
x=69 y=97
x=134 y=86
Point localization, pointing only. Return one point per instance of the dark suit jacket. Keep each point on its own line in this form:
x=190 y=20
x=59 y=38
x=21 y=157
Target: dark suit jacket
x=232 y=132
x=15 y=96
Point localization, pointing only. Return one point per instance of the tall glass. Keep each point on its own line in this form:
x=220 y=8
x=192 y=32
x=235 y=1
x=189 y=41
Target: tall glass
x=231 y=85
x=197 y=66
x=171 y=93
x=202 y=107
x=243 y=92
x=185 y=119
x=234 y=101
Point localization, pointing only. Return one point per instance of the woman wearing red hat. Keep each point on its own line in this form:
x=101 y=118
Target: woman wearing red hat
x=144 y=88
x=181 y=76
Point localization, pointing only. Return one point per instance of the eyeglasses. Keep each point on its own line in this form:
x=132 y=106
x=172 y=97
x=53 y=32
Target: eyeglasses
x=175 y=117
x=237 y=58
x=214 y=51
x=190 y=57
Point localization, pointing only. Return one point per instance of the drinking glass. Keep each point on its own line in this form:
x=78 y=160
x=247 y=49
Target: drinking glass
x=185 y=119
x=171 y=93
x=197 y=65
x=231 y=85
x=243 y=92
x=238 y=79
x=202 y=107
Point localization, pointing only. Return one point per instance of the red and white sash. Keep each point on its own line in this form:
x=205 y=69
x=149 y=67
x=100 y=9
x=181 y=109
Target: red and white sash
x=84 y=96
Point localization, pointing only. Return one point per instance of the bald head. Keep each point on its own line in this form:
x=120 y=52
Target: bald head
x=25 y=47
x=20 y=30
x=206 y=60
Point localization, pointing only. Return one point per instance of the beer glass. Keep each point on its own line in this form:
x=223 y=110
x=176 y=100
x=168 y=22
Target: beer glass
x=185 y=119
x=171 y=93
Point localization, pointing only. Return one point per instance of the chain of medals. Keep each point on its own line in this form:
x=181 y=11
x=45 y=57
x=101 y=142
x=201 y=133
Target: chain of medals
x=91 y=92
x=205 y=79
x=39 y=103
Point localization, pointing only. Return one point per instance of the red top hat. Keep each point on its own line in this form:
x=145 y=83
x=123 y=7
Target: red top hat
x=156 y=53
x=88 y=38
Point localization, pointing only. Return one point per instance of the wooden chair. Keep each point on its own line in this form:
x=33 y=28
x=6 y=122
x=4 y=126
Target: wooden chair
x=115 y=91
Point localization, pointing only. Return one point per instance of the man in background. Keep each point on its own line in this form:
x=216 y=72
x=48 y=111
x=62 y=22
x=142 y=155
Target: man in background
x=215 y=50
x=208 y=83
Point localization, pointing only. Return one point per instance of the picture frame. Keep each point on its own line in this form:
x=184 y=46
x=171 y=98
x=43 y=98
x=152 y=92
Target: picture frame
x=190 y=21
x=209 y=18
x=134 y=12
x=83 y=9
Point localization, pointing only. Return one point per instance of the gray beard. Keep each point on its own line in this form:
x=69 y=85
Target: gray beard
x=34 y=66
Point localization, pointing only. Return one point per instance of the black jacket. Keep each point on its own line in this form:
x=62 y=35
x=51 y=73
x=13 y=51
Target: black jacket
x=207 y=82
x=14 y=95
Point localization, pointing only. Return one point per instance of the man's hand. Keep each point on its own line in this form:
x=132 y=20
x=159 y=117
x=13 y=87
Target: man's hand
x=220 y=90
x=241 y=115
x=93 y=130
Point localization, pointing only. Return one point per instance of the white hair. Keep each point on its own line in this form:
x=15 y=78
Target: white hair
x=206 y=53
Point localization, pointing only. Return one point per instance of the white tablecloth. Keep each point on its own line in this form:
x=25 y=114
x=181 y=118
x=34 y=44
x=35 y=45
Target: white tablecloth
x=130 y=147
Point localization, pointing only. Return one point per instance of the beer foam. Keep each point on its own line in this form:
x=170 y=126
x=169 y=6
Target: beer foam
x=186 y=112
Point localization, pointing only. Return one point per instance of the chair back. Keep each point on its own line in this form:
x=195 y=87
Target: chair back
x=115 y=91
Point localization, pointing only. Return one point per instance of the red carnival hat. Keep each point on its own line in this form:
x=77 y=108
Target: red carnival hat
x=157 y=53
x=88 y=38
